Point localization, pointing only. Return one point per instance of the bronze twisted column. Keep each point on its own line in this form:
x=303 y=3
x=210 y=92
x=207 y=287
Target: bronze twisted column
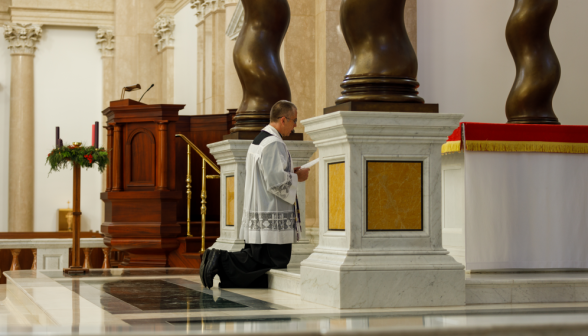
x=538 y=70
x=383 y=71
x=257 y=59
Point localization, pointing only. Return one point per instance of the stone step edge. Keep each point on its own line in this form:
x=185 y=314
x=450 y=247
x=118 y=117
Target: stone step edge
x=290 y=283
x=284 y=281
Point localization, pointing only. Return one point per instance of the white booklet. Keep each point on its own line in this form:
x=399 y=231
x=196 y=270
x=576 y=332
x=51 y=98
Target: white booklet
x=310 y=164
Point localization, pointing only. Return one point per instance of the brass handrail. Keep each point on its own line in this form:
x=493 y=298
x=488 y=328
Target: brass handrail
x=209 y=161
x=203 y=194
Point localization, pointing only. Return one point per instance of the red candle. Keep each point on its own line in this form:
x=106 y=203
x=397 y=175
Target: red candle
x=93 y=135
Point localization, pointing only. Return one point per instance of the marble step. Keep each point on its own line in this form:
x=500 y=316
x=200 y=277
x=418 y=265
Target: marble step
x=285 y=280
x=487 y=288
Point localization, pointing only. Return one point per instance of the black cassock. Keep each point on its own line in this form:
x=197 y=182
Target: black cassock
x=248 y=267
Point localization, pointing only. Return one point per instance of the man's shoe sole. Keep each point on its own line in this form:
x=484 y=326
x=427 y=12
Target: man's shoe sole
x=208 y=269
x=203 y=265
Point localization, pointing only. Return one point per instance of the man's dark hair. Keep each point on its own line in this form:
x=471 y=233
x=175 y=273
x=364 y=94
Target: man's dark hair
x=282 y=108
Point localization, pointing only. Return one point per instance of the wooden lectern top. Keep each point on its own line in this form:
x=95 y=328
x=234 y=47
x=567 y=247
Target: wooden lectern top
x=132 y=111
x=125 y=102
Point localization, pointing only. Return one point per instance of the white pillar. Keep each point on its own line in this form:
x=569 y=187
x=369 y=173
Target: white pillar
x=23 y=39
x=234 y=21
x=198 y=6
x=105 y=41
x=230 y=156
x=380 y=212
x=164 y=29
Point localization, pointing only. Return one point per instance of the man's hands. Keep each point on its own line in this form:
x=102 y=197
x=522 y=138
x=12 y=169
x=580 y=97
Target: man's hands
x=302 y=173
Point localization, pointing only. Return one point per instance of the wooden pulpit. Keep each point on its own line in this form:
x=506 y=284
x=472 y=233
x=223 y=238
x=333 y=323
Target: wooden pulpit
x=141 y=194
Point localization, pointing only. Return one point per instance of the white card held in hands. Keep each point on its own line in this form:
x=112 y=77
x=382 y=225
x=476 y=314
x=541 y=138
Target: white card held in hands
x=310 y=164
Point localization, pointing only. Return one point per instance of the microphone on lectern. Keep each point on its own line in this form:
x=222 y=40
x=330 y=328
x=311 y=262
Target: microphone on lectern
x=152 y=85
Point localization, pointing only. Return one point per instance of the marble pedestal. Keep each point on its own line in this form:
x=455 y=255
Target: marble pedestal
x=356 y=265
x=230 y=155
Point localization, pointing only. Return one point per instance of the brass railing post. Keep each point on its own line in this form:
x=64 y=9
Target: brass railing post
x=189 y=192
x=203 y=208
x=203 y=195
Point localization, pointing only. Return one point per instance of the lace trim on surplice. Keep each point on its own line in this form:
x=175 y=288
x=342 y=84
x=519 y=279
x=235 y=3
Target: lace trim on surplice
x=283 y=190
x=269 y=221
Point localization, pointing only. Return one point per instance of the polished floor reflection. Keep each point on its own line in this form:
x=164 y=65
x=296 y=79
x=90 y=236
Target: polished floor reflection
x=122 y=272
x=173 y=301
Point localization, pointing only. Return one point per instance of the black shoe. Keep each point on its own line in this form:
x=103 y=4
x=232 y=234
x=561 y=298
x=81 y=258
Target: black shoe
x=204 y=260
x=212 y=267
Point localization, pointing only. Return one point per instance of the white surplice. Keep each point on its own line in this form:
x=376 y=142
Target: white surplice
x=269 y=214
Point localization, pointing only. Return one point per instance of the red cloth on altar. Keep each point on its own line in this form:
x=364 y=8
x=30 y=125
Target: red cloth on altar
x=518 y=138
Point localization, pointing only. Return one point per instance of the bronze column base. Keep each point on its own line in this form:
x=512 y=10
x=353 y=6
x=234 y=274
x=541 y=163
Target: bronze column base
x=379 y=88
x=250 y=121
x=375 y=106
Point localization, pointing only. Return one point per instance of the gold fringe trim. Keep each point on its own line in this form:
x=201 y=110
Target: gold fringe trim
x=451 y=146
x=525 y=146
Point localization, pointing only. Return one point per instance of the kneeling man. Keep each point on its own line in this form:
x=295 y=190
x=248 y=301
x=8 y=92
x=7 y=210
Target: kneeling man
x=270 y=221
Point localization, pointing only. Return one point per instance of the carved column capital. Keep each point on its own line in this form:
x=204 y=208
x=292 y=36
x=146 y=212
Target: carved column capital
x=197 y=5
x=216 y=5
x=205 y=7
x=164 y=30
x=105 y=37
x=22 y=37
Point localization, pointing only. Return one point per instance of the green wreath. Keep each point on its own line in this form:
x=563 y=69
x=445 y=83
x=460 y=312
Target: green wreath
x=86 y=157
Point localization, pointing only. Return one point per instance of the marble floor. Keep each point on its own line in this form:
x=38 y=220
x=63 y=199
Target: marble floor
x=172 y=301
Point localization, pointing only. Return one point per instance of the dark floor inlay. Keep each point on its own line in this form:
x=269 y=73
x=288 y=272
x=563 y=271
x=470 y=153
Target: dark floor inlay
x=126 y=272
x=163 y=295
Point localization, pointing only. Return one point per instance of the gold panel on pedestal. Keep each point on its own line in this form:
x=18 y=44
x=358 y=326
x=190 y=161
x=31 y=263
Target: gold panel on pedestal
x=230 y=200
x=337 y=196
x=394 y=196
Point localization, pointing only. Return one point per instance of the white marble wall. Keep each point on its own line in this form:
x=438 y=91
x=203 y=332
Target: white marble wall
x=70 y=99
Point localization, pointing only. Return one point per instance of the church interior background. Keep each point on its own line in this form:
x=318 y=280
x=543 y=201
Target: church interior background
x=439 y=211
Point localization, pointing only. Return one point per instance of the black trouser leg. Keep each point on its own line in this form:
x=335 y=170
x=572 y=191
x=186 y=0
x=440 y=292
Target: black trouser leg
x=248 y=267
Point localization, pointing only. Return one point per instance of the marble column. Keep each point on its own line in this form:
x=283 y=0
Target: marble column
x=197 y=5
x=234 y=22
x=230 y=156
x=105 y=41
x=164 y=29
x=211 y=55
x=22 y=39
x=218 y=58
